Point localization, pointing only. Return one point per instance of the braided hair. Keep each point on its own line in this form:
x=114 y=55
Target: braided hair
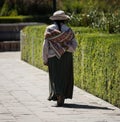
x=58 y=22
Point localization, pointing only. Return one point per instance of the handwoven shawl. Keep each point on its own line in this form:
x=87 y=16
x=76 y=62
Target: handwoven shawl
x=59 y=40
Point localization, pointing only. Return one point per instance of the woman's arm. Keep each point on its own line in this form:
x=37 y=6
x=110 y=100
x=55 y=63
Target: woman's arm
x=72 y=45
x=45 y=52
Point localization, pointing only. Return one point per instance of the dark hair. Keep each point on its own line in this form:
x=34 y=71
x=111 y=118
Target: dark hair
x=59 y=23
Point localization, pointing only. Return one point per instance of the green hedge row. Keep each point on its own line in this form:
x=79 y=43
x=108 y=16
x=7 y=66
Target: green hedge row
x=31 y=45
x=96 y=60
x=16 y=19
x=97 y=65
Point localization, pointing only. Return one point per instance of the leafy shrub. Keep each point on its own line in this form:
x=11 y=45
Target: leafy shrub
x=24 y=7
x=103 y=15
x=104 y=22
x=5 y=9
x=13 y=12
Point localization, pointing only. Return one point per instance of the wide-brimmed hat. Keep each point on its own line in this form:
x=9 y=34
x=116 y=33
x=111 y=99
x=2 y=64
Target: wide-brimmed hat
x=59 y=15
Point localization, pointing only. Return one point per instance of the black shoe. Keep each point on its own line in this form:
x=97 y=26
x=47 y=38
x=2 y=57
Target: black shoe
x=60 y=101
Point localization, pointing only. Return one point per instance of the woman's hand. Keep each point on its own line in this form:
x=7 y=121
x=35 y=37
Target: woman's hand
x=45 y=63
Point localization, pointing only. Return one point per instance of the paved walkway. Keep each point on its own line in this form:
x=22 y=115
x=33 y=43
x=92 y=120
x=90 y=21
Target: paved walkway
x=24 y=92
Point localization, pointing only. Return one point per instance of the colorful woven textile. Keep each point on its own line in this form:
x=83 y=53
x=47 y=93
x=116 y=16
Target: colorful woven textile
x=59 y=41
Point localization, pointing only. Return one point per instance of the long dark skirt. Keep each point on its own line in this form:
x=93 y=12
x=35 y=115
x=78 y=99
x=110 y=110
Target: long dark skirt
x=61 y=76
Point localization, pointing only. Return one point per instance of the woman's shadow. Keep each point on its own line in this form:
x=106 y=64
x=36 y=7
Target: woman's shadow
x=77 y=106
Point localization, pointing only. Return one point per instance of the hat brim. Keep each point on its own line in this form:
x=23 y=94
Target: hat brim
x=65 y=17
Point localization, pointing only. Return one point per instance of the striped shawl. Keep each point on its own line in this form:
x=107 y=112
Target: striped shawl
x=59 y=41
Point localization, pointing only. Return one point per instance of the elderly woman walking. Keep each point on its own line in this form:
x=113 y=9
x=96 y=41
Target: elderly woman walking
x=58 y=47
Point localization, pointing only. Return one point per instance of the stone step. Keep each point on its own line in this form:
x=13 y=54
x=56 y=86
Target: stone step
x=9 y=46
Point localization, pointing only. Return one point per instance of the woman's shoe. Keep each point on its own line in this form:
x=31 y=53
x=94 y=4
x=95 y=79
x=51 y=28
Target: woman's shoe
x=60 y=100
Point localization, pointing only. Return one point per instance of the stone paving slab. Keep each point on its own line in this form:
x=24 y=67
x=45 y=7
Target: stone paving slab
x=24 y=92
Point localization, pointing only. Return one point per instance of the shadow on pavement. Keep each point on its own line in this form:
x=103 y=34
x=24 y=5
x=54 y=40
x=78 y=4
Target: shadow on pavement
x=76 y=106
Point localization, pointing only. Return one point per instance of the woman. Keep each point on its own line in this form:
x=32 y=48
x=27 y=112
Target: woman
x=58 y=46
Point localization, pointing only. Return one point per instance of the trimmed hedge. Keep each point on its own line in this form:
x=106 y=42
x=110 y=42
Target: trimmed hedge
x=96 y=60
x=31 y=45
x=97 y=65
x=16 y=19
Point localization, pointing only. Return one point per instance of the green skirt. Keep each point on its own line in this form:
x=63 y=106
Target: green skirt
x=61 y=76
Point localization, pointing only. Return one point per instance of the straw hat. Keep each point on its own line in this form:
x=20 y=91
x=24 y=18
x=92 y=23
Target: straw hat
x=59 y=15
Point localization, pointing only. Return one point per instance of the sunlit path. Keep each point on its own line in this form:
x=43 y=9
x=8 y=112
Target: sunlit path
x=24 y=92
